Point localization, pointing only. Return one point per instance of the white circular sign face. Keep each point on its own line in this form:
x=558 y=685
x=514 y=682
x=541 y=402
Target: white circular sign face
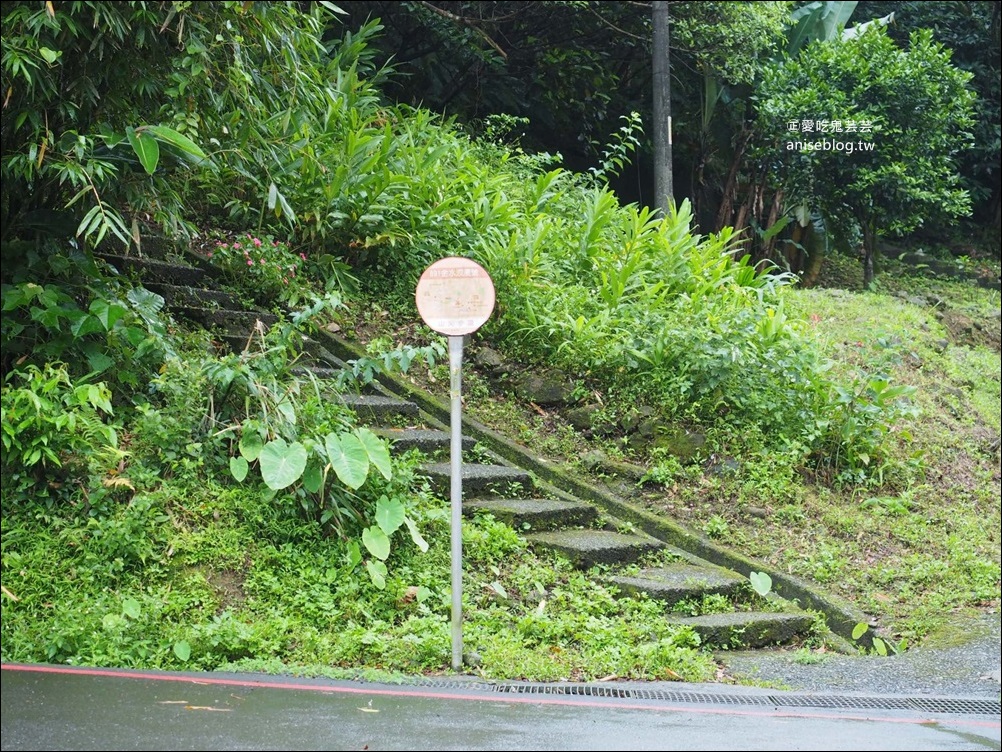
x=455 y=296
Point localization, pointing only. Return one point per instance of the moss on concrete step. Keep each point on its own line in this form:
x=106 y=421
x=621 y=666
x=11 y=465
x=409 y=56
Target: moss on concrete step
x=535 y=514
x=677 y=582
x=587 y=548
x=162 y=271
x=479 y=481
x=225 y=319
x=427 y=440
x=747 y=629
x=197 y=297
x=377 y=407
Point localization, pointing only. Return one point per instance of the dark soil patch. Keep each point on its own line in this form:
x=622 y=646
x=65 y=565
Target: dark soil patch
x=971 y=332
x=228 y=585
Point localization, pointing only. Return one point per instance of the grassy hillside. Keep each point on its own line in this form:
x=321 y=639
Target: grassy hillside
x=917 y=545
x=168 y=503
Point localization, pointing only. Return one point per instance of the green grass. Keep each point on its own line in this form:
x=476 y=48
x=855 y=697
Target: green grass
x=217 y=578
x=923 y=545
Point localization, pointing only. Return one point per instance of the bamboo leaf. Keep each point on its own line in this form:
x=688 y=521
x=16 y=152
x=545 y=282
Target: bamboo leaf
x=146 y=148
x=172 y=137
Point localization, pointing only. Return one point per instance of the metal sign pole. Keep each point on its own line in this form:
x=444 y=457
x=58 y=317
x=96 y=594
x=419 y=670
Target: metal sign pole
x=455 y=296
x=456 y=462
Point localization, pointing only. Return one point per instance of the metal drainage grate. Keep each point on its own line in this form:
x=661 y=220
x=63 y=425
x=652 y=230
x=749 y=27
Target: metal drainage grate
x=923 y=704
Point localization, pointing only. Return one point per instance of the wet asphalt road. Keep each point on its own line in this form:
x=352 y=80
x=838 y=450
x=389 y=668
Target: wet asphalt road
x=57 y=707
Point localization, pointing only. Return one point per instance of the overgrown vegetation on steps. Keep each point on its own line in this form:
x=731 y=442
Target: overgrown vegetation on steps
x=168 y=503
x=935 y=510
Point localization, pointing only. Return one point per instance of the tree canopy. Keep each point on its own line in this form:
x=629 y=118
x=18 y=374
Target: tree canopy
x=869 y=132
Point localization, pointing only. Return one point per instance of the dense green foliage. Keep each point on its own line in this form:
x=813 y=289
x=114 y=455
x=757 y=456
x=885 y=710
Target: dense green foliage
x=573 y=68
x=908 y=111
x=971 y=30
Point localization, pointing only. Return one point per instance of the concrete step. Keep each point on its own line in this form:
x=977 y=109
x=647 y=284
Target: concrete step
x=317 y=370
x=676 y=582
x=225 y=319
x=197 y=297
x=155 y=246
x=479 y=481
x=535 y=514
x=320 y=355
x=747 y=629
x=161 y=271
x=427 y=440
x=237 y=341
x=376 y=407
x=587 y=548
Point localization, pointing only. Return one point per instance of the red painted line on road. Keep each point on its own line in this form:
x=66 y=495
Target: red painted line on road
x=417 y=693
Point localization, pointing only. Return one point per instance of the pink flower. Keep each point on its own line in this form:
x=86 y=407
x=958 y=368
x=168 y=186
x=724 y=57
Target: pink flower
x=261 y=262
x=257 y=242
x=250 y=263
x=302 y=256
x=209 y=254
x=236 y=245
x=274 y=243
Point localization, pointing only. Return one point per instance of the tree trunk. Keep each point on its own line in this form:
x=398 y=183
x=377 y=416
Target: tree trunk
x=869 y=249
x=725 y=213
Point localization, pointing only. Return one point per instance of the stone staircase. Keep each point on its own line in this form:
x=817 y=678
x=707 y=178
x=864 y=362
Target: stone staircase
x=667 y=566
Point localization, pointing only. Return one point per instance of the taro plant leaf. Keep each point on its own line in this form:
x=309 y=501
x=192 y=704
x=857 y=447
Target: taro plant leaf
x=238 y=468
x=389 y=514
x=250 y=444
x=130 y=607
x=377 y=573
x=378 y=451
x=282 y=464
x=348 y=458
x=146 y=148
x=313 y=477
x=182 y=649
x=354 y=555
x=376 y=542
x=416 y=536
x=97 y=360
x=761 y=583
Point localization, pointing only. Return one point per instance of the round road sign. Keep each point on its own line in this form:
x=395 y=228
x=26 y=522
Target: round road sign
x=455 y=296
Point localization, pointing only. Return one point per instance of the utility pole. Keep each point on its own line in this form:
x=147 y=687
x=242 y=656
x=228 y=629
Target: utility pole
x=661 y=75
